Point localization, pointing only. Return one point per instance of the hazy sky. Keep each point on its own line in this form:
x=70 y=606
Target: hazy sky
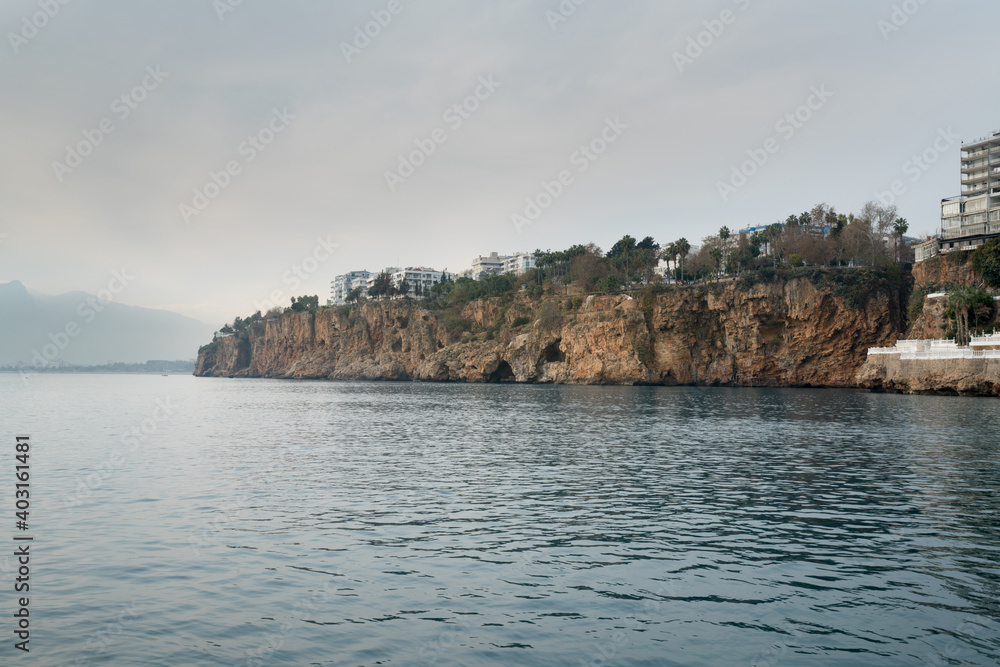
x=553 y=87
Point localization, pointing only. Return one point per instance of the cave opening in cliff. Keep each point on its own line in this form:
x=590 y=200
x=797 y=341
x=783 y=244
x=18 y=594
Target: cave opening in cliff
x=553 y=354
x=503 y=373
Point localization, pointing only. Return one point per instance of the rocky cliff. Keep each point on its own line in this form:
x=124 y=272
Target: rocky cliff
x=784 y=333
x=962 y=377
x=950 y=377
x=943 y=270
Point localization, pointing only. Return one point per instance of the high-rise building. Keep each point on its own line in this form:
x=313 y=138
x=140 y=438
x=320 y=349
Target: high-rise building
x=519 y=263
x=496 y=264
x=972 y=218
x=343 y=285
x=419 y=280
x=490 y=265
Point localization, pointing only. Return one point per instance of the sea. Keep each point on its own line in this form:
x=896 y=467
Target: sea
x=182 y=521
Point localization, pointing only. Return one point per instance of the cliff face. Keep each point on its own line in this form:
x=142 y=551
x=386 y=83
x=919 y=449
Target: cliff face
x=776 y=334
x=962 y=377
x=941 y=270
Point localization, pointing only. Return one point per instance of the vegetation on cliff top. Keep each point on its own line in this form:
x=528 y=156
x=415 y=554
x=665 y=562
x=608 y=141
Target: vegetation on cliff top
x=846 y=253
x=986 y=263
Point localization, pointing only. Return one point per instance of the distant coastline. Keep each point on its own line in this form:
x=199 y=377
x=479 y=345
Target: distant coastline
x=179 y=367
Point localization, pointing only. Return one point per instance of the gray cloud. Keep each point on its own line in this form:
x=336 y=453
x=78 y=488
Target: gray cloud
x=325 y=173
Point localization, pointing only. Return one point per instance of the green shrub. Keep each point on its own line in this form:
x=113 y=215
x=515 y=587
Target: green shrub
x=550 y=316
x=986 y=263
x=857 y=286
x=645 y=349
x=520 y=322
x=958 y=257
x=455 y=324
x=916 y=306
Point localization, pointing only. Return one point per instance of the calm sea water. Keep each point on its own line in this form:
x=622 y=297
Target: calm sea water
x=282 y=523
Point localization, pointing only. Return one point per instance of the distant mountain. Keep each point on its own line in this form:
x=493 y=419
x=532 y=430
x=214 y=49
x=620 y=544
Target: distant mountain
x=76 y=328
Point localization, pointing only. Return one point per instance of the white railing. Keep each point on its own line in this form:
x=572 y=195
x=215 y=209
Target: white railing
x=941 y=349
x=962 y=353
x=991 y=339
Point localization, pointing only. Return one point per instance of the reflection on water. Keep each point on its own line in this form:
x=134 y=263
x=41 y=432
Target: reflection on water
x=275 y=523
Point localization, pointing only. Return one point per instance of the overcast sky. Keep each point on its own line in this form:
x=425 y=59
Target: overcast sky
x=345 y=115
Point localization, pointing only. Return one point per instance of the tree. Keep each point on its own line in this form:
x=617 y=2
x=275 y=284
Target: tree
x=716 y=255
x=353 y=296
x=670 y=254
x=733 y=263
x=683 y=248
x=588 y=266
x=305 y=304
x=648 y=244
x=986 y=263
x=899 y=229
x=969 y=308
x=622 y=253
x=381 y=287
x=724 y=234
x=772 y=234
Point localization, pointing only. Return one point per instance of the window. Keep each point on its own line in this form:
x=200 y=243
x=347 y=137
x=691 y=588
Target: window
x=975 y=205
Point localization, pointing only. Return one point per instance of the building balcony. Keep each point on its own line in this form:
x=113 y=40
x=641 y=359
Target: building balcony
x=970 y=230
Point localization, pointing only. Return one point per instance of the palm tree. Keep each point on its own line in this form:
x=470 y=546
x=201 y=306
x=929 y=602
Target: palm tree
x=628 y=247
x=899 y=230
x=773 y=233
x=670 y=254
x=716 y=255
x=733 y=263
x=683 y=248
x=962 y=300
x=724 y=236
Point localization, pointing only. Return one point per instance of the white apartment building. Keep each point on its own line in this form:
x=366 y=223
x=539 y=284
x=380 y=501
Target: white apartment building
x=519 y=263
x=491 y=265
x=341 y=286
x=971 y=219
x=423 y=277
x=496 y=264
